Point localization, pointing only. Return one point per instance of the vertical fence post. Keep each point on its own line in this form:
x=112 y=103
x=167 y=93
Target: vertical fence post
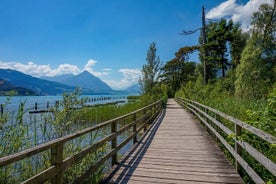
x=114 y=142
x=145 y=120
x=56 y=160
x=238 y=148
x=134 y=129
x=35 y=106
x=217 y=117
x=2 y=109
x=48 y=105
x=21 y=112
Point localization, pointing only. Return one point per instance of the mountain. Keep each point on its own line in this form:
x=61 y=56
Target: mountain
x=133 y=90
x=39 y=86
x=84 y=80
x=6 y=88
x=58 y=78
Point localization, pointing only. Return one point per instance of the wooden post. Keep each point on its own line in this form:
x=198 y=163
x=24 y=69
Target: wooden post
x=145 y=120
x=134 y=129
x=35 y=106
x=238 y=148
x=21 y=113
x=56 y=160
x=217 y=117
x=114 y=143
x=2 y=109
x=48 y=105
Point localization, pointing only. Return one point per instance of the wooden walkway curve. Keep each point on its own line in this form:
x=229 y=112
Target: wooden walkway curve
x=175 y=150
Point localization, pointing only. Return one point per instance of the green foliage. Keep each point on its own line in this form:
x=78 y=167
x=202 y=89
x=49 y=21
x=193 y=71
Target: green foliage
x=67 y=113
x=5 y=115
x=218 y=33
x=179 y=71
x=238 y=41
x=68 y=116
x=250 y=80
x=266 y=117
x=256 y=73
x=258 y=113
x=248 y=90
x=150 y=71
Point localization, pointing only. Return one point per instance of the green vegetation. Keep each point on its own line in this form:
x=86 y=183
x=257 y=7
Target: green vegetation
x=240 y=76
x=240 y=81
x=21 y=131
x=247 y=90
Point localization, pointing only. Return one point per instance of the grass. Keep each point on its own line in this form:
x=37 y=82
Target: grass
x=24 y=133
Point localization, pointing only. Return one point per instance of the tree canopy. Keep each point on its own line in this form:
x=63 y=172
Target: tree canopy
x=250 y=56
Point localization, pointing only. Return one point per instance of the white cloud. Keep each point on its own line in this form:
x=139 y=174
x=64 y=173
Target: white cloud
x=46 y=70
x=66 y=69
x=238 y=13
x=89 y=67
x=130 y=77
x=224 y=9
x=40 y=70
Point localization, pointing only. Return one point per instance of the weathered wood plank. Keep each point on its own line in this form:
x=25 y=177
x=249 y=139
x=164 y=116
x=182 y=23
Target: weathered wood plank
x=178 y=150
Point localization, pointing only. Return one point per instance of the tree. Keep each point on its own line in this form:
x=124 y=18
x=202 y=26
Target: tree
x=249 y=81
x=238 y=41
x=150 y=71
x=256 y=73
x=178 y=71
x=218 y=34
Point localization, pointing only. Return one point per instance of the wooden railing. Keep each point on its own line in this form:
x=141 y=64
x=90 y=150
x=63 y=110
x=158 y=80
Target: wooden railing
x=213 y=120
x=54 y=174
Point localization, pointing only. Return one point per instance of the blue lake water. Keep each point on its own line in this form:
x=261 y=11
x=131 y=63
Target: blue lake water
x=41 y=102
x=35 y=130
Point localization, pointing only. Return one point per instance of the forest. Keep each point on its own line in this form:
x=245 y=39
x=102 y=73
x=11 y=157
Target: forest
x=236 y=75
x=236 y=72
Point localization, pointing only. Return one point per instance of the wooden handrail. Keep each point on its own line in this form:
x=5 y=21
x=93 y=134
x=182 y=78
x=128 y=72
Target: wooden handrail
x=203 y=113
x=59 y=164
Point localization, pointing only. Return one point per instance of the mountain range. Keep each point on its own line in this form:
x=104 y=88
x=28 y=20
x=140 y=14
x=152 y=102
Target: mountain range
x=6 y=88
x=26 y=84
x=84 y=80
x=39 y=86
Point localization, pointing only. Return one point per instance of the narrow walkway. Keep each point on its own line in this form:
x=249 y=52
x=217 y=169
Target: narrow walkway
x=176 y=150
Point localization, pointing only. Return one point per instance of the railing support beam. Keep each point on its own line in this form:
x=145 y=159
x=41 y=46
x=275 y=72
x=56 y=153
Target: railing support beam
x=56 y=160
x=114 y=143
x=238 y=148
x=134 y=129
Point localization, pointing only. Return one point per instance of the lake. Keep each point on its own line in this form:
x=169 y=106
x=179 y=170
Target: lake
x=41 y=102
x=36 y=129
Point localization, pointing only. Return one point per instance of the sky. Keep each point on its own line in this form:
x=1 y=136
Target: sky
x=108 y=38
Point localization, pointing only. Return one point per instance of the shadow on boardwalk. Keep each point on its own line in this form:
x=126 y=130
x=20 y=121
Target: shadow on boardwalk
x=178 y=151
x=138 y=150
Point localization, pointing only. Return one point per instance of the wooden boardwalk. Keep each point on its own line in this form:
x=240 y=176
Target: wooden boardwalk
x=175 y=150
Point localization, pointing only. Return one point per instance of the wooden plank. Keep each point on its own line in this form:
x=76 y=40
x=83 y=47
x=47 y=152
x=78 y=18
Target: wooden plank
x=268 y=164
x=178 y=150
x=254 y=176
x=43 y=176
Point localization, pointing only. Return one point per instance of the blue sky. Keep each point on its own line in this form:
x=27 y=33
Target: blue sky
x=109 y=38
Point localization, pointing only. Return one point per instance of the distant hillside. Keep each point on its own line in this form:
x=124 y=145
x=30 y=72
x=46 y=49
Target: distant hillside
x=133 y=90
x=84 y=80
x=58 y=78
x=6 y=88
x=39 y=86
